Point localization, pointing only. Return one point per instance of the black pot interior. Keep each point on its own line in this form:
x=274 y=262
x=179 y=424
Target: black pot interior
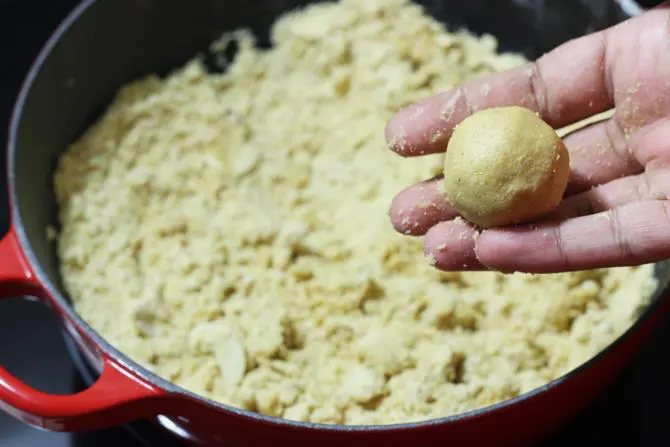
x=115 y=41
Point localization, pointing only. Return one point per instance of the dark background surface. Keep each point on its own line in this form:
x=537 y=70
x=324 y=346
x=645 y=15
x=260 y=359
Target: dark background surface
x=632 y=411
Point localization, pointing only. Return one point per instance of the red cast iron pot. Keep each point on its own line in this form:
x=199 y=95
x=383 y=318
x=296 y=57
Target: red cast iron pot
x=106 y=43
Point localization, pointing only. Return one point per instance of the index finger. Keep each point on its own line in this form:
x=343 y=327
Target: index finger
x=564 y=86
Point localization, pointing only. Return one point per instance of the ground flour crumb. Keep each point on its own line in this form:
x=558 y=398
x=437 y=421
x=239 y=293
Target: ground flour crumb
x=230 y=233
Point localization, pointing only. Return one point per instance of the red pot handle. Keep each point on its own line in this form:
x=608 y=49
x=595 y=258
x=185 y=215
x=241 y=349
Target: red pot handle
x=117 y=397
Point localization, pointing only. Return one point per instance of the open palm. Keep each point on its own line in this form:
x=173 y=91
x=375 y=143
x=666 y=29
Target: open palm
x=616 y=210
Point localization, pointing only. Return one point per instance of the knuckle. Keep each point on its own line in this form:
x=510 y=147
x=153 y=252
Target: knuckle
x=559 y=242
x=538 y=88
x=620 y=240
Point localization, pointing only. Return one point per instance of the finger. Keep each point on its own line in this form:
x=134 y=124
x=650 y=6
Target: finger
x=649 y=186
x=564 y=86
x=611 y=177
x=574 y=81
x=417 y=208
x=450 y=246
x=596 y=158
x=634 y=234
x=598 y=154
x=651 y=145
x=602 y=152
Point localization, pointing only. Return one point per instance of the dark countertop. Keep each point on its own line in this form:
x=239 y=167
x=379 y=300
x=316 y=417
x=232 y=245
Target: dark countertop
x=632 y=411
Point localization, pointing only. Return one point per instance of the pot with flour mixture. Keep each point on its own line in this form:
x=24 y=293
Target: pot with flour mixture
x=207 y=215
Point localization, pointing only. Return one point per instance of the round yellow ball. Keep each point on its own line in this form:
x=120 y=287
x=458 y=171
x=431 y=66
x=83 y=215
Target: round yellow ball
x=505 y=166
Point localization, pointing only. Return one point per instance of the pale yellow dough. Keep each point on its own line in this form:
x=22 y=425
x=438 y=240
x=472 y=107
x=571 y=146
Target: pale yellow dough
x=505 y=166
x=229 y=231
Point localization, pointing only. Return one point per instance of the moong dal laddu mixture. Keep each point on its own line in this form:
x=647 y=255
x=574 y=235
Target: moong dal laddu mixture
x=230 y=233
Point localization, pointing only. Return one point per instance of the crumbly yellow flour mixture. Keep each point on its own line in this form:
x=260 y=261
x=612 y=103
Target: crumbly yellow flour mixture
x=230 y=232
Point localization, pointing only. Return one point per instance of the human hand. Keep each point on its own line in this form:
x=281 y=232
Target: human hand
x=615 y=210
